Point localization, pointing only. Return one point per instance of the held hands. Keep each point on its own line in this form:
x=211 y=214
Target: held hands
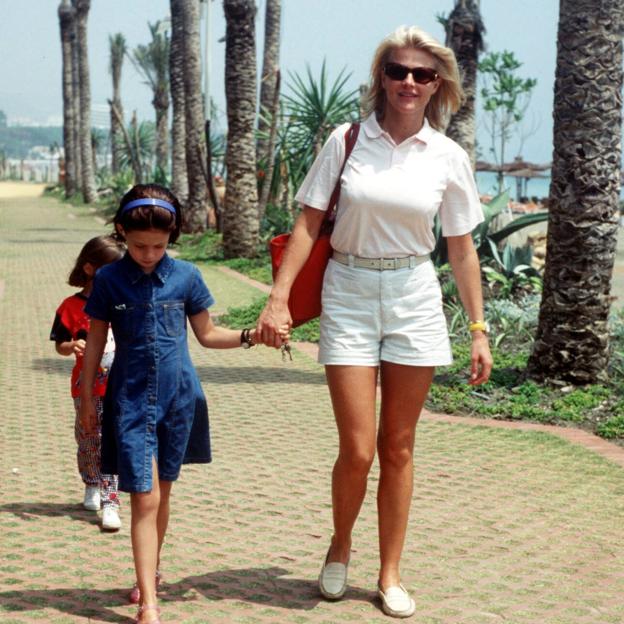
x=79 y=347
x=274 y=324
x=481 y=359
x=88 y=416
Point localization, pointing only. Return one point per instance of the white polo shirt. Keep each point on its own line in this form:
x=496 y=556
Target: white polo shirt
x=391 y=193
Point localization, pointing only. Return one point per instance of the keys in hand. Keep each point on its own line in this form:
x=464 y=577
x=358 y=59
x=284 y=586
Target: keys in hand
x=286 y=352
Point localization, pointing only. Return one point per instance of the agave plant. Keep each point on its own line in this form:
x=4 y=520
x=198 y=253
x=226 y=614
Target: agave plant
x=136 y=150
x=487 y=242
x=308 y=114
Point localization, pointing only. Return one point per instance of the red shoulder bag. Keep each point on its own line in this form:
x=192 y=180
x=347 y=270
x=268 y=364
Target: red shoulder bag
x=304 y=302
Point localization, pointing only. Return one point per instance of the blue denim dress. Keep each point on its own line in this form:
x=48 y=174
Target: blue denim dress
x=154 y=405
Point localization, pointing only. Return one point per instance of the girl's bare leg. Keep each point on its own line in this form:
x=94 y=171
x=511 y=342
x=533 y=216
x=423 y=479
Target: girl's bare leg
x=150 y=515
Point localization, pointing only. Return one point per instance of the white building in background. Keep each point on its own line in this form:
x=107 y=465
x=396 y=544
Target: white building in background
x=100 y=116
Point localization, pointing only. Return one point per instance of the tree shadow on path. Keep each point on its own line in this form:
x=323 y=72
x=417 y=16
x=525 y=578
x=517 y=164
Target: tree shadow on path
x=31 y=511
x=269 y=587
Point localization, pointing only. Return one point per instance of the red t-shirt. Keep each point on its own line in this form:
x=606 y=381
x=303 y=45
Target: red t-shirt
x=71 y=323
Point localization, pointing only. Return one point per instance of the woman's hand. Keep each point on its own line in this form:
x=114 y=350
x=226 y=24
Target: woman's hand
x=481 y=359
x=88 y=416
x=275 y=321
x=274 y=324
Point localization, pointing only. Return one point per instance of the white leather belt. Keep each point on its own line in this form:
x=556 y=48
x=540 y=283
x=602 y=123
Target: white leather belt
x=379 y=264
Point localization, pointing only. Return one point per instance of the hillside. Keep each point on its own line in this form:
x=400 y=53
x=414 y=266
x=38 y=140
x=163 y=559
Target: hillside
x=16 y=141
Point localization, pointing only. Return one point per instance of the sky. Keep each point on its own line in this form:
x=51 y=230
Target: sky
x=344 y=32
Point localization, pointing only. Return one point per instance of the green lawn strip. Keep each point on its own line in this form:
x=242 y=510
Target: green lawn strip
x=228 y=293
x=509 y=395
x=534 y=448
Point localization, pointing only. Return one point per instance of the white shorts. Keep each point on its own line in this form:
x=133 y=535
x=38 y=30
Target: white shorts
x=395 y=316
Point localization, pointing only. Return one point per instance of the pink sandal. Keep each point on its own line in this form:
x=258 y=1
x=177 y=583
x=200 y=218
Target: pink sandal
x=143 y=608
x=135 y=593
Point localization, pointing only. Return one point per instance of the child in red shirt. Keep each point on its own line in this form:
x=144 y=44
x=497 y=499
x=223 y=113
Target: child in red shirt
x=69 y=332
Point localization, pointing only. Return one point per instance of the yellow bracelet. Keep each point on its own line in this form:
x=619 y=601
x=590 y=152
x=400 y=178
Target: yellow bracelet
x=479 y=326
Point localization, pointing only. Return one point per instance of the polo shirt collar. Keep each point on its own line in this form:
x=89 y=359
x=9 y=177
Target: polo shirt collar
x=135 y=272
x=374 y=130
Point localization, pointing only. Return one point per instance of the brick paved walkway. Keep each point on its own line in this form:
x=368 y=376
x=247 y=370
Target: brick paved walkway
x=507 y=526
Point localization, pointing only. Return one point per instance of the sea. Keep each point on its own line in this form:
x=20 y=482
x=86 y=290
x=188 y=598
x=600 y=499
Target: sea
x=536 y=188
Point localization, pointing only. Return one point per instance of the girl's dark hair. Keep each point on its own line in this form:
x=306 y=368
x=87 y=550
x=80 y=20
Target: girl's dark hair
x=98 y=251
x=148 y=217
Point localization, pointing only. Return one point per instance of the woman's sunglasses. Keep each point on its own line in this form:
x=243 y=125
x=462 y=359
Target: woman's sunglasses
x=421 y=75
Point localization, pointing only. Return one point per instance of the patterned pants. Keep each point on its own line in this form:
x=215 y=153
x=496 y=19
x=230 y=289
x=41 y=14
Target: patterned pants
x=89 y=457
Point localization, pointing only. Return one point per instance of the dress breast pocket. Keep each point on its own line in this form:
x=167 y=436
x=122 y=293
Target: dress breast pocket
x=174 y=317
x=123 y=320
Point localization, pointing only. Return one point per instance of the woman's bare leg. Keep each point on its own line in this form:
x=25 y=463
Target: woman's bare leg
x=353 y=390
x=403 y=391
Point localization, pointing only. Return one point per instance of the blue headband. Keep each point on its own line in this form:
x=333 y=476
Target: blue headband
x=148 y=201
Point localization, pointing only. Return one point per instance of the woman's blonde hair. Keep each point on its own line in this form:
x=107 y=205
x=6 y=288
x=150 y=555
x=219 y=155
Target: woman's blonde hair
x=445 y=101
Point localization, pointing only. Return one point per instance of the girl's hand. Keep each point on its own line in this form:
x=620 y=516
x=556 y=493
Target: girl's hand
x=283 y=334
x=481 y=359
x=79 y=347
x=274 y=323
x=88 y=416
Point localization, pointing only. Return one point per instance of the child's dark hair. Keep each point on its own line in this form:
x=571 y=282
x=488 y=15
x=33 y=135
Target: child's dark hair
x=146 y=217
x=98 y=251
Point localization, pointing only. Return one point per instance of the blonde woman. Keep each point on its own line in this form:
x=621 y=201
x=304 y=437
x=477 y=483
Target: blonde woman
x=382 y=312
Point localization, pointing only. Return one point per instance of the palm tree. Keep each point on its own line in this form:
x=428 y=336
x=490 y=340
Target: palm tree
x=179 y=179
x=75 y=70
x=241 y=223
x=88 y=174
x=68 y=33
x=268 y=82
x=196 y=213
x=572 y=341
x=118 y=50
x=152 y=62
x=464 y=35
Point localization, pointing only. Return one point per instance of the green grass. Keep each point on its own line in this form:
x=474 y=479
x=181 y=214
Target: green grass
x=510 y=395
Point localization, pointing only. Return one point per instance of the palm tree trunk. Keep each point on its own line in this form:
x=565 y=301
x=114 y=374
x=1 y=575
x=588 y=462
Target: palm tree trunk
x=117 y=53
x=67 y=26
x=240 y=219
x=265 y=189
x=464 y=35
x=88 y=175
x=572 y=341
x=196 y=214
x=76 y=106
x=268 y=82
x=179 y=179
x=161 y=106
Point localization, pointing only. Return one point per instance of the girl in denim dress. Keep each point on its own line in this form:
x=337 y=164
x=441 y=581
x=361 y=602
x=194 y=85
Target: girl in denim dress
x=155 y=413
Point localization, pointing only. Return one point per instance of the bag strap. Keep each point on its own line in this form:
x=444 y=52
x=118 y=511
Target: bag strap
x=350 y=140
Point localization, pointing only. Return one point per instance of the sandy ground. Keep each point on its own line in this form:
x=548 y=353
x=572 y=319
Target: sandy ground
x=20 y=189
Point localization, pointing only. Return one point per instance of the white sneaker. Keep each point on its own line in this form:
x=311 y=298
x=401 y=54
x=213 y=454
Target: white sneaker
x=91 y=497
x=110 y=518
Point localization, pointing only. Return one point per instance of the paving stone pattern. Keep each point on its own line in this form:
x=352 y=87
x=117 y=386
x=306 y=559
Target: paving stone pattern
x=506 y=526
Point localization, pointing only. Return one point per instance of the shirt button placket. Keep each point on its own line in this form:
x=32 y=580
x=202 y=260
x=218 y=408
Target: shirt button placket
x=152 y=378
